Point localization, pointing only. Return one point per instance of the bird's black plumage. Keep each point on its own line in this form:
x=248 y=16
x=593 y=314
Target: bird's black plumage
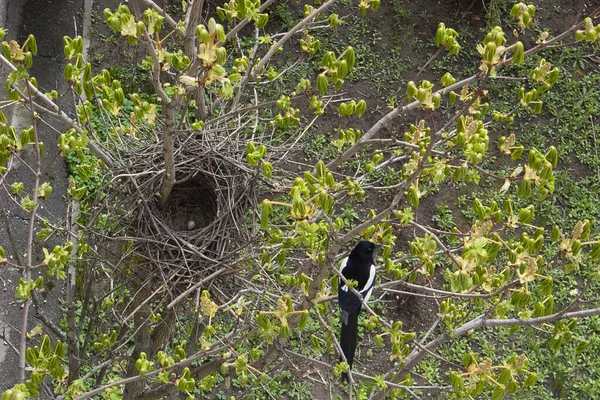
x=358 y=266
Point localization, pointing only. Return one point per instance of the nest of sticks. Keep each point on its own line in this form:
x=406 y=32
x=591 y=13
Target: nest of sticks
x=202 y=226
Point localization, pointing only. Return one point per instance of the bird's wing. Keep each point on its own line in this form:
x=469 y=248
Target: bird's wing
x=342 y=266
x=369 y=286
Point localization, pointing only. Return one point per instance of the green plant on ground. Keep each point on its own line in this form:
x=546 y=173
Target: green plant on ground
x=444 y=218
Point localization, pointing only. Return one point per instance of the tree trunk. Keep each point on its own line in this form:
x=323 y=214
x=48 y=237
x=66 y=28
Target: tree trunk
x=142 y=344
x=168 y=154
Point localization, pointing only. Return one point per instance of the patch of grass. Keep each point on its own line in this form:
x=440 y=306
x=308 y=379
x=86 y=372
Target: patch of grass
x=284 y=13
x=97 y=59
x=349 y=216
x=444 y=218
x=401 y=13
x=132 y=77
x=103 y=38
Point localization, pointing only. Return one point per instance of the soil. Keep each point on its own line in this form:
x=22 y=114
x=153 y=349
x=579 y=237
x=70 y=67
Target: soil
x=406 y=29
x=412 y=33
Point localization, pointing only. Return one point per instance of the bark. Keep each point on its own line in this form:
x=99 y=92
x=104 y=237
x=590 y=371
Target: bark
x=168 y=154
x=134 y=390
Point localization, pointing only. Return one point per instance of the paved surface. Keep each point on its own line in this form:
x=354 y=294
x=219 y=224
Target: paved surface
x=49 y=21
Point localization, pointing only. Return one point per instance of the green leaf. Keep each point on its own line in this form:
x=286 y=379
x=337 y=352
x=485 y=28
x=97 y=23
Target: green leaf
x=16 y=188
x=267 y=169
x=303 y=320
x=530 y=380
x=581 y=347
x=498 y=393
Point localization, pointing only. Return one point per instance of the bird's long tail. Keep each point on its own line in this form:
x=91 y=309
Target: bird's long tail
x=348 y=337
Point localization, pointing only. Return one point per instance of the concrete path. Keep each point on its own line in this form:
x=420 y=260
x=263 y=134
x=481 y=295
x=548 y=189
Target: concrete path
x=49 y=21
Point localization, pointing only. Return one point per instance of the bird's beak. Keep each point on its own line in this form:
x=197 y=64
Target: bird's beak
x=377 y=246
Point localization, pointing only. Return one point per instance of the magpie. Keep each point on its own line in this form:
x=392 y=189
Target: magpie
x=358 y=266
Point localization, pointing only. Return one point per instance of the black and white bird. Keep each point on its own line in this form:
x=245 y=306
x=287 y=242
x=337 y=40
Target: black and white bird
x=360 y=267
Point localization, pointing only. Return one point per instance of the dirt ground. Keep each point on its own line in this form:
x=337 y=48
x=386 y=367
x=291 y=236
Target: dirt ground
x=404 y=34
x=401 y=33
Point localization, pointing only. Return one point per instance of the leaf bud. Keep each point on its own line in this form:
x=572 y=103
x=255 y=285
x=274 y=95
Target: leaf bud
x=595 y=253
x=532 y=157
x=553 y=76
x=202 y=34
x=518 y=53
x=350 y=57
x=28 y=60
x=343 y=109
x=515 y=10
x=220 y=33
x=461 y=124
x=321 y=170
x=526 y=214
x=552 y=156
x=448 y=79
x=261 y=21
x=452 y=97
x=413 y=196
x=329 y=180
x=440 y=35
x=516 y=154
x=411 y=91
x=328 y=59
x=512 y=256
x=342 y=69
x=32 y=44
x=361 y=107
x=267 y=169
x=585 y=233
x=322 y=83
x=524 y=188
x=6 y=51
x=436 y=98
x=303 y=320
x=68 y=72
x=221 y=53
x=490 y=51
x=538 y=243
x=576 y=247
x=479 y=209
x=539 y=310
x=546 y=172
x=555 y=233
x=284 y=330
x=530 y=380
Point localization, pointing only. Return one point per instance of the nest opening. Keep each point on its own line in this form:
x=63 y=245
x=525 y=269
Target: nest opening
x=192 y=205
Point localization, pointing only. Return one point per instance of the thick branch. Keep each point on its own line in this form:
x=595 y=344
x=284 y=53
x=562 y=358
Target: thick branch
x=168 y=154
x=31 y=229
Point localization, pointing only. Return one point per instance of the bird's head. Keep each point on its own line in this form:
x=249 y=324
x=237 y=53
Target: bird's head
x=364 y=250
